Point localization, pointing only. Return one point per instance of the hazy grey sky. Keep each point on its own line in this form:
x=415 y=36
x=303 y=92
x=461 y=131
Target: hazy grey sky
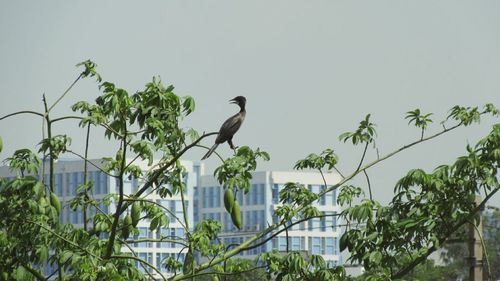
x=310 y=70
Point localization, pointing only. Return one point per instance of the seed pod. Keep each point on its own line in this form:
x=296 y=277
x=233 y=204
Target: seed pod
x=54 y=201
x=229 y=199
x=42 y=204
x=127 y=224
x=236 y=215
x=135 y=213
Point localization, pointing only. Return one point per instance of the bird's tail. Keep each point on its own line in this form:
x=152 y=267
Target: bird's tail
x=210 y=151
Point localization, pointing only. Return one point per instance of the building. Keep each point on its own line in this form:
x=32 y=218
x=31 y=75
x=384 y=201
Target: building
x=314 y=237
x=204 y=200
x=69 y=174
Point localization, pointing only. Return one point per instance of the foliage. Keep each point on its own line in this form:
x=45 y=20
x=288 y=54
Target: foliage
x=390 y=241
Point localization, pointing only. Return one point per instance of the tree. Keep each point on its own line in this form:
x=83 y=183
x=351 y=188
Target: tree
x=388 y=240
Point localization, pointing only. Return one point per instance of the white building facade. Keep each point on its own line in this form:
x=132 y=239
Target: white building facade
x=318 y=236
x=69 y=174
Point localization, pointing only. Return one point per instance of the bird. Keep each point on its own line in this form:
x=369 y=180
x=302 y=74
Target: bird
x=230 y=126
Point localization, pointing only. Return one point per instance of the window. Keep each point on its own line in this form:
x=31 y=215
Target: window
x=322 y=199
x=276 y=193
x=331 y=220
x=322 y=224
x=314 y=224
x=217 y=196
x=143 y=233
x=58 y=185
x=296 y=243
x=282 y=243
x=317 y=189
x=211 y=197
x=148 y=257
x=160 y=260
x=205 y=197
x=315 y=245
x=329 y=246
x=262 y=194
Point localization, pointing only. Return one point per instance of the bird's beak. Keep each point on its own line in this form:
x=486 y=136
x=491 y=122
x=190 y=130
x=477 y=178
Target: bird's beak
x=233 y=101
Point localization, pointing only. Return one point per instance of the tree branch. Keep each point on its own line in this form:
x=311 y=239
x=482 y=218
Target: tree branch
x=141 y=261
x=402 y=272
x=22 y=112
x=34 y=272
x=65 y=92
x=157 y=173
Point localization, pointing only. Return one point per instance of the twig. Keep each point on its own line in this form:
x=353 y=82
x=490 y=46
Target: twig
x=22 y=112
x=158 y=172
x=65 y=92
x=91 y=163
x=369 y=185
x=484 y=250
x=35 y=273
x=141 y=261
x=85 y=177
x=362 y=157
x=64 y=239
x=114 y=226
x=402 y=272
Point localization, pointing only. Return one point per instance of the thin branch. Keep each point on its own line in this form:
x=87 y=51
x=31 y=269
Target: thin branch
x=369 y=185
x=337 y=170
x=34 y=272
x=135 y=255
x=64 y=239
x=285 y=227
x=90 y=162
x=402 y=272
x=484 y=250
x=158 y=172
x=375 y=162
x=362 y=157
x=163 y=239
x=66 y=118
x=114 y=226
x=67 y=91
x=22 y=112
x=132 y=161
x=276 y=225
x=85 y=177
x=141 y=261
x=159 y=205
x=224 y=273
x=208 y=148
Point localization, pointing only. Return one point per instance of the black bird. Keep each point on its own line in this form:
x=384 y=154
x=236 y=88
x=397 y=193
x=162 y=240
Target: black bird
x=230 y=127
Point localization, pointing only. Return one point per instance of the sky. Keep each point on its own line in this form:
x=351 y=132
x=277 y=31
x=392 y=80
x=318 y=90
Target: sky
x=310 y=70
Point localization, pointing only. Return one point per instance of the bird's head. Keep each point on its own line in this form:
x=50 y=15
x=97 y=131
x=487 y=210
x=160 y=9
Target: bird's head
x=239 y=100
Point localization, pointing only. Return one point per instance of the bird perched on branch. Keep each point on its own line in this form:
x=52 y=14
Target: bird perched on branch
x=230 y=127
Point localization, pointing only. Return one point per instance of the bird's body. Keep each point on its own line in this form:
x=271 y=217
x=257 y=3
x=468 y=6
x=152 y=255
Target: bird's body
x=229 y=127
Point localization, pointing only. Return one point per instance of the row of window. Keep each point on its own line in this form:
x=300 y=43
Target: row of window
x=74 y=179
x=213 y=196
x=255 y=220
x=316 y=245
x=326 y=223
x=76 y=216
x=175 y=208
x=250 y=220
x=172 y=233
x=328 y=199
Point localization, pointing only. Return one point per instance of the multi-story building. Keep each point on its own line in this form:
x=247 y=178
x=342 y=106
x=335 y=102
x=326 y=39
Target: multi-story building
x=317 y=236
x=69 y=174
